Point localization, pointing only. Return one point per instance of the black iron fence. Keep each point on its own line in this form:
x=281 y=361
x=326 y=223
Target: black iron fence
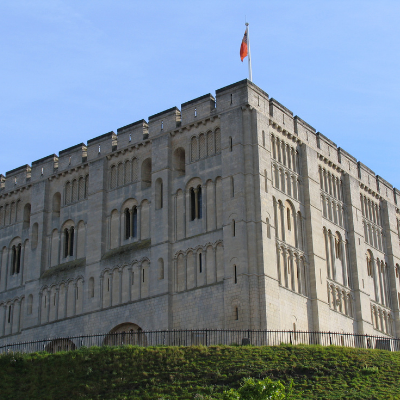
x=205 y=337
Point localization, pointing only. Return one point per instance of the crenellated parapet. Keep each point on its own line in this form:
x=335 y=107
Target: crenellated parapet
x=193 y=113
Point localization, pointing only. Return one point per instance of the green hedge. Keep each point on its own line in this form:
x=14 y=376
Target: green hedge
x=132 y=372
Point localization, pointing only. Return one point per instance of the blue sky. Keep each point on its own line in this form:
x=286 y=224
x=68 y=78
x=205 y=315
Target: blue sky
x=73 y=70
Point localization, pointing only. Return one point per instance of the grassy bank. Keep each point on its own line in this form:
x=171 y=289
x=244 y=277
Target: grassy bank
x=182 y=372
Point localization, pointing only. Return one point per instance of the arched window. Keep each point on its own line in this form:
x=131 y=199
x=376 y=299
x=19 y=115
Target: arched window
x=127 y=167
x=91 y=288
x=134 y=222
x=194 y=149
x=196 y=203
x=81 y=188
x=16 y=259
x=179 y=161
x=127 y=223
x=134 y=170
x=74 y=191
x=69 y=241
x=200 y=262
x=202 y=142
x=113 y=183
x=210 y=144
x=27 y=216
x=217 y=141
x=29 y=304
x=146 y=173
x=120 y=174
x=159 y=193
x=56 y=204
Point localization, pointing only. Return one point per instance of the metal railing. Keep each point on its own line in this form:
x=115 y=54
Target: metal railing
x=205 y=337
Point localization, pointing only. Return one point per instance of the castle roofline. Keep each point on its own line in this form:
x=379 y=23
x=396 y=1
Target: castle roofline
x=51 y=157
x=348 y=155
x=72 y=148
x=244 y=82
x=279 y=105
x=107 y=135
x=204 y=97
x=169 y=111
x=319 y=134
x=297 y=119
x=141 y=122
x=23 y=168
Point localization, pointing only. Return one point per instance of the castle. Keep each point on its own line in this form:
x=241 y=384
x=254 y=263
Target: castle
x=230 y=213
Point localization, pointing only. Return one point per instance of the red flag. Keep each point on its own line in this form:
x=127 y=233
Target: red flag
x=243 y=47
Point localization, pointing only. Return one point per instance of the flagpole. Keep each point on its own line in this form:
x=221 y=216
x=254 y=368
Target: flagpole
x=249 y=56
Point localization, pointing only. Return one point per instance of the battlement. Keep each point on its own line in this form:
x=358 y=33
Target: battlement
x=239 y=94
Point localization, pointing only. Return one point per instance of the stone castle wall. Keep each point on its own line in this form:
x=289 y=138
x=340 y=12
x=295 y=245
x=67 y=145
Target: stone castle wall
x=230 y=213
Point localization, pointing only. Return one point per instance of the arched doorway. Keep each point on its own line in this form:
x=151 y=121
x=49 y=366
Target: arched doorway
x=60 y=345
x=125 y=333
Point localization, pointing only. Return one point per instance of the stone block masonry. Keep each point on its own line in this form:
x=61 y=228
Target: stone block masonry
x=229 y=213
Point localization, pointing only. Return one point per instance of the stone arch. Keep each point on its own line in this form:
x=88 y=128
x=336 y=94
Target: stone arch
x=125 y=333
x=68 y=238
x=62 y=344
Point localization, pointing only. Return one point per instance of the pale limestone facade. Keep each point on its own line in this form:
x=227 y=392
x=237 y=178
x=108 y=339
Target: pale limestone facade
x=229 y=213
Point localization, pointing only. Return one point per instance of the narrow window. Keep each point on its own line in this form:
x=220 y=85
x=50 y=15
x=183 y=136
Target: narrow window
x=66 y=241
x=200 y=202
x=236 y=313
x=42 y=171
x=233 y=228
x=108 y=284
x=231 y=99
x=130 y=137
x=233 y=186
x=230 y=143
x=19 y=258
x=77 y=293
x=265 y=181
x=13 y=259
x=69 y=161
x=71 y=246
x=263 y=138
x=162 y=124
x=134 y=222
x=289 y=225
x=127 y=224
x=133 y=278
x=195 y=112
x=143 y=274
x=99 y=149
x=192 y=204
x=9 y=314
x=200 y=264
x=235 y=273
